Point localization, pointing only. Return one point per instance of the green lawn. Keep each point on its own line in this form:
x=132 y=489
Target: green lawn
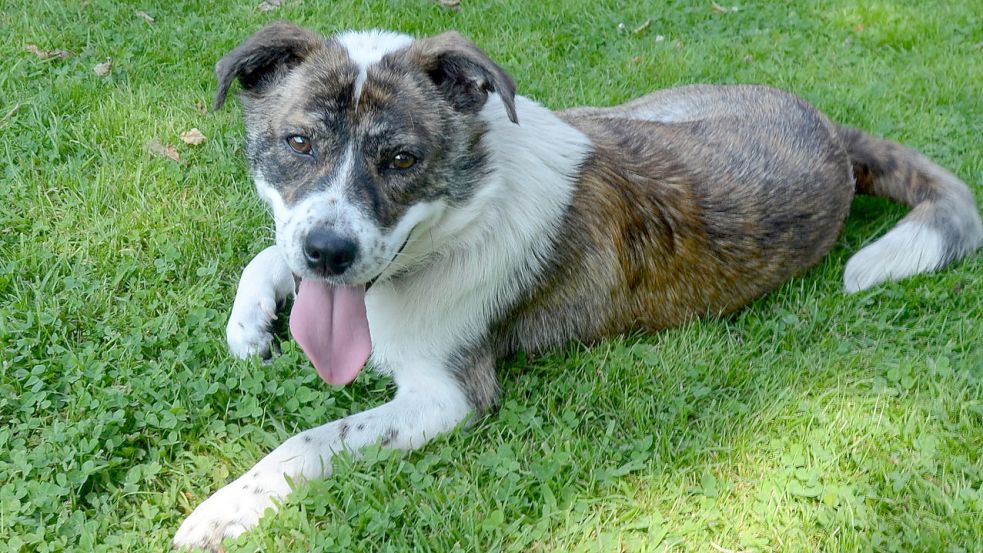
x=809 y=421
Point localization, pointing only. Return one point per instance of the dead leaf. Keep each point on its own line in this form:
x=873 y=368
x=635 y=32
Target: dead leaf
x=268 y=5
x=642 y=28
x=155 y=147
x=145 y=16
x=718 y=8
x=192 y=137
x=858 y=28
x=104 y=68
x=200 y=106
x=47 y=54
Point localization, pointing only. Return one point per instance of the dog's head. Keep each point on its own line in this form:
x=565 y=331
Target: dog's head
x=356 y=140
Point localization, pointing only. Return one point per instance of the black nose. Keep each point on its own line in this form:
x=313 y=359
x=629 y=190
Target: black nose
x=329 y=252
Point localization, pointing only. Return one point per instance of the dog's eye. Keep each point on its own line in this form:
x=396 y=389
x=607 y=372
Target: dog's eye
x=402 y=161
x=299 y=144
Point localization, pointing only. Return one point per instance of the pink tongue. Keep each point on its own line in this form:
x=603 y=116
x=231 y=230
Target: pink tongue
x=330 y=325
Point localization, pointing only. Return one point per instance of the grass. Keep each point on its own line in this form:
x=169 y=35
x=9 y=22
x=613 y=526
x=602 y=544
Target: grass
x=810 y=421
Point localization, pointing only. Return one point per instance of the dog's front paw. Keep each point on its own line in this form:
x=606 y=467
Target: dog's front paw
x=249 y=330
x=228 y=513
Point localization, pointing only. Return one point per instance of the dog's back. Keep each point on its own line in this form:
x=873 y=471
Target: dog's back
x=700 y=199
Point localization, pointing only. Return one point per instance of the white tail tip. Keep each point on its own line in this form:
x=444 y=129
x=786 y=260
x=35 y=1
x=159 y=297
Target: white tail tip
x=908 y=249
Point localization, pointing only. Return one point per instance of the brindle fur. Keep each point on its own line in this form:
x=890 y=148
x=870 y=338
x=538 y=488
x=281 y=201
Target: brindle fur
x=677 y=220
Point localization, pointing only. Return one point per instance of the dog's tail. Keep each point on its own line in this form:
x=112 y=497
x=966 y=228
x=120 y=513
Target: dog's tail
x=943 y=225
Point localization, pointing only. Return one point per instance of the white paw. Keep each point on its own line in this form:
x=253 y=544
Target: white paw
x=228 y=513
x=248 y=332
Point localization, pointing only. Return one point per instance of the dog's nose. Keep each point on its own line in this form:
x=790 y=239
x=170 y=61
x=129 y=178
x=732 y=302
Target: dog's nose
x=329 y=252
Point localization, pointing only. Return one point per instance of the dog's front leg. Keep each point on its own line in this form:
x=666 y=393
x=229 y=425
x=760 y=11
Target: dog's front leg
x=265 y=283
x=430 y=402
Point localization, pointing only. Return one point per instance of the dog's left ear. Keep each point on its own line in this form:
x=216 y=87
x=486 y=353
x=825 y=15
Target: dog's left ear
x=463 y=73
x=262 y=57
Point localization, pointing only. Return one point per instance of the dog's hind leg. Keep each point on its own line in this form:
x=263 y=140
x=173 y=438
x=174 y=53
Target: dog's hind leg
x=429 y=402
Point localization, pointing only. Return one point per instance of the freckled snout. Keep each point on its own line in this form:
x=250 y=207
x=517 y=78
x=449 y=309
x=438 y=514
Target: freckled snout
x=329 y=253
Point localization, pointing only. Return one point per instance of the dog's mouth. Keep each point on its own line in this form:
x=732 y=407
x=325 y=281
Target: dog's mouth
x=330 y=324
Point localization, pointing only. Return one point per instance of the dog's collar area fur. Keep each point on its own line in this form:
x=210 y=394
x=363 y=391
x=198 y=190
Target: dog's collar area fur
x=375 y=279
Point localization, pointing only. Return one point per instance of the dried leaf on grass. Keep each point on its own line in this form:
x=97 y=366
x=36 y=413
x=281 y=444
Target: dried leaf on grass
x=718 y=8
x=156 y=148
x=193 y=137
x=47 y=54
x=144 y=16
x=201 y=107
x=104 y=68
x=642 y=28
x=268 y=5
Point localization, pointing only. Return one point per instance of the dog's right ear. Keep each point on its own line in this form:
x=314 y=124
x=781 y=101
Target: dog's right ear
x=262 y=57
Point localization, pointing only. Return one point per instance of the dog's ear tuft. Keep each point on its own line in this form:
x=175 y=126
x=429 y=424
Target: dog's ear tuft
x=257 y=61
x=464 y=74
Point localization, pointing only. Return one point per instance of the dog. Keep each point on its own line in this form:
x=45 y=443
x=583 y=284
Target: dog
x=433 y=220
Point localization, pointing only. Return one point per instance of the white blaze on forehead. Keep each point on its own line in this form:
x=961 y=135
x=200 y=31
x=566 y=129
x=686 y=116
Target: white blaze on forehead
x=344 y=172
x=368 y=47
